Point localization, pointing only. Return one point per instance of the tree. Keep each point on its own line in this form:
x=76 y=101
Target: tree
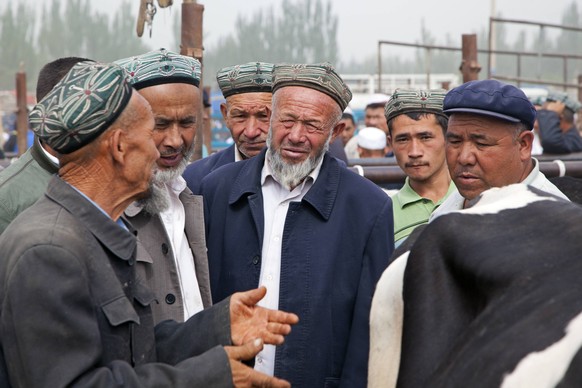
x=305 y=32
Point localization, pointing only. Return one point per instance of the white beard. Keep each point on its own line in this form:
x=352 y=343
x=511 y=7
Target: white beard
x=288 y=174
x=159 y=197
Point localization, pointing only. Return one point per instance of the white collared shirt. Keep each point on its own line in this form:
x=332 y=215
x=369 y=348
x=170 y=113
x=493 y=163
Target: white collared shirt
x=276 y=199
x=174 y=220
x=51 y=157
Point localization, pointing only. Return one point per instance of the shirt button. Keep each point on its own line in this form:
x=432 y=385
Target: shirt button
x=165 y=248
x=269 y=277
x=170 y=299
x=256 y=260
x=259 y=360
x=276 y=238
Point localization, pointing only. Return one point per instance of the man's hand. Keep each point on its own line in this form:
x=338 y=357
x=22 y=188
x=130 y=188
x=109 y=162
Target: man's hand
x=249 y=321
x=242 y=375
x=555 y=106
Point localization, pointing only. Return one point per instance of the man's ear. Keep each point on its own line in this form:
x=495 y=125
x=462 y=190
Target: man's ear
x=525 y=141
x=223 y=110
x=339 y=128
x=117 y=146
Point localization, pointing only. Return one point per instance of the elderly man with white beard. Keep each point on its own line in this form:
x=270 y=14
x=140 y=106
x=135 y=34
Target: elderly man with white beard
x=295 y=220
x=171 y=252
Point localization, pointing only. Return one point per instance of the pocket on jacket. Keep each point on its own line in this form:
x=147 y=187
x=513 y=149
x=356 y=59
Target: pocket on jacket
x=120 y=311
x=331 y=382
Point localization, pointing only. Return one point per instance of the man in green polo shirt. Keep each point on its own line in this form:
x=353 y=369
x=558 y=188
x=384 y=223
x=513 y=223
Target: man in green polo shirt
x=417 y=127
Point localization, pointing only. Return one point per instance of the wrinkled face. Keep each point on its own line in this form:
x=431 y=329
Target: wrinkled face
x=176 y=108
x=142 y=152
x=247 y=116
x=419 y=146
x=375 y=118
x=484 y=152
x=302 y=123
x=348 y=132
x=301 y=128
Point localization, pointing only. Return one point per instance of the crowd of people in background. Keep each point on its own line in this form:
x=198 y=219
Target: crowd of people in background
x=270 y=262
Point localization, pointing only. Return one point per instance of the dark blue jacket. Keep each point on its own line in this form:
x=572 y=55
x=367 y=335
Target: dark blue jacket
x=200 y=168
x=336 y=244
x=553 y=140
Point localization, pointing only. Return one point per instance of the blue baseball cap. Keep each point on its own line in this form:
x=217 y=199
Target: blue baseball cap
x=491 y=98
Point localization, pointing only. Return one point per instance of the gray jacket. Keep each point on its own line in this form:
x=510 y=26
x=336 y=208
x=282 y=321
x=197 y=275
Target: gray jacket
x=155 y=257
x=74 y=314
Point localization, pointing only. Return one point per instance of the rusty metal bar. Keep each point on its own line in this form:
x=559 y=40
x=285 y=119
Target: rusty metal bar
x=387 y=174
x=507 y=52
x=470 y=65
x=490 y=49
x=191 y=45
x=530 y=80
x=379 y=87
x=21 y=112
x=560 y=26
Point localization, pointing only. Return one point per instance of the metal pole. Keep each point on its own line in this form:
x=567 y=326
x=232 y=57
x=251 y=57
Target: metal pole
x=470 y=66
x=379 y=67
x=490 y=56
x=21 y=111
x=191 y=36
x=428 y=67
x=565 y=65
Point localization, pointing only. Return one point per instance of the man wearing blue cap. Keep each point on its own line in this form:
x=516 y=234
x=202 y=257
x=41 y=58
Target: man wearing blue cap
x=489 y=141
x=170 y=223
x=74 y=312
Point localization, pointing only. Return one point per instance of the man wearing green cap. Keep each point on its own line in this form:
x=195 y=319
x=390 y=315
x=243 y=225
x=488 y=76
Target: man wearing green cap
x=24 y=181
x=317 y=235
x=170 y=223
x=246 y=113
x=417 y=127
x=74 y=312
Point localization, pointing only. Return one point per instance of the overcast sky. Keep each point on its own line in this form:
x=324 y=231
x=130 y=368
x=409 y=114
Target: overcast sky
x=363 y=22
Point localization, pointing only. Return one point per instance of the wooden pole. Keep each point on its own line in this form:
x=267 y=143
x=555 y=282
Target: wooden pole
x=21 y=111
x=191 y=36
x=470 y=67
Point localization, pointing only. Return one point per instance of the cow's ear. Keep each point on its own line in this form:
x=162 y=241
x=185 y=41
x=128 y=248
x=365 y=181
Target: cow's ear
x=525 y=140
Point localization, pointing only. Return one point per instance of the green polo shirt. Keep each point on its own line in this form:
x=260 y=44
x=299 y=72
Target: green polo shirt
x=411 y=210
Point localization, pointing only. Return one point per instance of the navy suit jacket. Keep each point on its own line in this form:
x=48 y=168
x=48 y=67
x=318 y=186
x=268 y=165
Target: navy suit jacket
x=197 y=170
x=336 y=244
x=553 y=140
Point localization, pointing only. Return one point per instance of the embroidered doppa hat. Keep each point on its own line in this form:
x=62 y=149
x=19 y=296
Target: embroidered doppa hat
x=491 y=98
x=81 y=106
x=252 y=77
x=415 y=100
x=372 y=138
x=160 y=67
x=319 y=76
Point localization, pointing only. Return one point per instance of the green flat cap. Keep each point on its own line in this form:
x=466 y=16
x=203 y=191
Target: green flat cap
x=319 y=76
x=572 y=104
x=81 y=106
x=160 y=67
x=415 y=100
x=252 y=77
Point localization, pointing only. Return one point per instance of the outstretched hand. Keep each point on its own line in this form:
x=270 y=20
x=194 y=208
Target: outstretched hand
x=249 y=321
x=246 y=377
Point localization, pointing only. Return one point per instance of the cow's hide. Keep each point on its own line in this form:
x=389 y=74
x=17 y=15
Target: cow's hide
x=489 y=296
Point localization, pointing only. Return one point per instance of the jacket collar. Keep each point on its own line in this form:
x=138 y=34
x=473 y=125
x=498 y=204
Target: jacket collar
x=38 y=154
x=321 y=196
x=120 y=242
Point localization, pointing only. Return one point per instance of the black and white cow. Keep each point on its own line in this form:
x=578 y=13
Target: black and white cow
x=489 y=296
